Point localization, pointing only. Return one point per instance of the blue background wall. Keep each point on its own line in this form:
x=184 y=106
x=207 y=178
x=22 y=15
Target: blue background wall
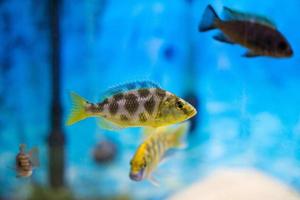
x=249 y=108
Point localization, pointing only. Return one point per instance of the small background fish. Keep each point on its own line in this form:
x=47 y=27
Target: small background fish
x=255 y=32
x=26 y=162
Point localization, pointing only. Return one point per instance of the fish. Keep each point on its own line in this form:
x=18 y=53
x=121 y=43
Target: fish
x=26 y=162
x=257 y=33
x=154 y=149
x=135 y=104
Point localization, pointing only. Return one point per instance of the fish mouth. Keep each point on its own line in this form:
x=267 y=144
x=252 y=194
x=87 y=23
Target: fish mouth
x=136 y=176
x=191 y=111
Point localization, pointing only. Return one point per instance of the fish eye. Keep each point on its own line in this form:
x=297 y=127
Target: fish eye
x=179 y=104
x=282 y=45
x=131 y=162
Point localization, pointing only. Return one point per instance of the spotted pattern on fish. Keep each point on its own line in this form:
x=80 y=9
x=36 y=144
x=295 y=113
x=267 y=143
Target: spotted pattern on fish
x=160 y=93
x=142 y=117
x=118 y=97
x=143 y=93
x=150 y=105
x=105 y=101
x=138 y=107
x=131 y=103
x=23 y=162
x=90 y=107
x=123 y=117
x=113 y=107
x=100 y=106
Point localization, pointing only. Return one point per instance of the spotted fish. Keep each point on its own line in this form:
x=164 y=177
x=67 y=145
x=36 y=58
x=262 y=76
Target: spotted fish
x=150 y=153
x=133 y=105
x=252 y=31
x=26 y=162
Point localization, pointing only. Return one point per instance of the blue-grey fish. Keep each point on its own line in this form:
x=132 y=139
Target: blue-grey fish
x=254 y=32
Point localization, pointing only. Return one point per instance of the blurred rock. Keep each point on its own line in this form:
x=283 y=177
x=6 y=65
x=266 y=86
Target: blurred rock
x=170 y=53
x=104 y=152
x=241 y=184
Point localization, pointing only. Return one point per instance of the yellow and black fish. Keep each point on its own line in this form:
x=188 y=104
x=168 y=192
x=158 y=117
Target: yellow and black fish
x=134 y=104
x=150 y=153
x=254 y=32
x=26 y=162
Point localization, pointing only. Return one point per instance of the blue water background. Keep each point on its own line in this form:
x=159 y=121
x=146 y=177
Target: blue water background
x=249 y=110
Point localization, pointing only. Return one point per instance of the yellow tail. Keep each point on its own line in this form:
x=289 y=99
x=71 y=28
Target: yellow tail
x=78 y=109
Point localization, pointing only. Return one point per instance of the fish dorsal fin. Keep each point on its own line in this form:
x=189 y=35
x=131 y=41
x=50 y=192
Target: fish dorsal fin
x=231 y=14
x=22 y=148
x=128 y=87
x=34 y=157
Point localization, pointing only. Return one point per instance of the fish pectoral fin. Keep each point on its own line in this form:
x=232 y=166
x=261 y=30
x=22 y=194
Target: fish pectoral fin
x=105 y=124
x=166 y=156
x=153 y=181
x=250 y=54
x=146 y=131
x=221 y=37
x=34 y=157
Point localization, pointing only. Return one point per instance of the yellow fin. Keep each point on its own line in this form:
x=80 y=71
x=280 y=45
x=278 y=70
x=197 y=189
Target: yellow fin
x=78 y=109
x=108 y=125
x=177 y=136
x=150 y=130
x=147 y=131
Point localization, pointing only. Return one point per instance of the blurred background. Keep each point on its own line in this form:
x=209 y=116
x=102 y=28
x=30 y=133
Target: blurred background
x=248 y=109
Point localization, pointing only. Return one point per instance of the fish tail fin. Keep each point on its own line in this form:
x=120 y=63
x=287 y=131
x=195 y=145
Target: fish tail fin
x=209 y=19
x=78 y=112
x=22 y=147
x=34 y=157
x=178 y=136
